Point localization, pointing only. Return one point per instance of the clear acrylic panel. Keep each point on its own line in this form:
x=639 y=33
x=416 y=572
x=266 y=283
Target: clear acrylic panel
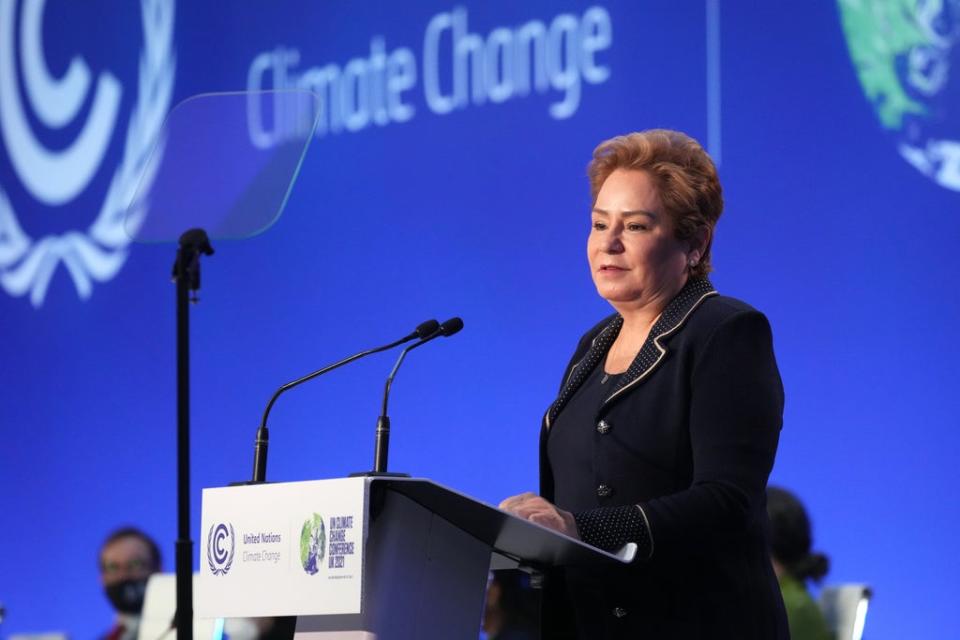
x=225 y=163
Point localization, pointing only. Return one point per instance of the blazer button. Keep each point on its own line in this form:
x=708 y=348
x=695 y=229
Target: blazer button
x=604 y=491
x=603 y=427
x=619 y=612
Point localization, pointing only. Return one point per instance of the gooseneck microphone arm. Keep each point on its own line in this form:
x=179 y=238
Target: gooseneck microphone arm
x=396 y=367
x=382 y=442
x=423 y=331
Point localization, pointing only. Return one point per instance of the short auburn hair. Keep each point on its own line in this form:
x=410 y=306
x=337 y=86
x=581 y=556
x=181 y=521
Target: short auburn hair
x=685 y=177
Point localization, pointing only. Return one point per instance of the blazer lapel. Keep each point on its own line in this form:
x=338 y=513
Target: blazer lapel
x=651 y=353
x=670 y=321
x=598 y=349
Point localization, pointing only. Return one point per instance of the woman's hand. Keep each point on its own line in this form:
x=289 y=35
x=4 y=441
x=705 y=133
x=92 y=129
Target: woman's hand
x=532 y=507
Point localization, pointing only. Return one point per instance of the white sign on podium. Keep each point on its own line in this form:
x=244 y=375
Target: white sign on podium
x=306 y=561
x=370 y=558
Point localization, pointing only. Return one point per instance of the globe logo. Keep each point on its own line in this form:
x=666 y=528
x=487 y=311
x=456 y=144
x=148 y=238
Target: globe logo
x=313 y=544
x=221 y=544
x=904 y=52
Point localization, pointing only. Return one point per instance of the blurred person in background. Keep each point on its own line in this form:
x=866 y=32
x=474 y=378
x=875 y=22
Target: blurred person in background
x=128 y=557
x=510 y=610
x=795 y=564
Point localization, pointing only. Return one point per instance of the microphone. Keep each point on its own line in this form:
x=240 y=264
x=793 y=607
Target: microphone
x=424 y=331
x=382 y=444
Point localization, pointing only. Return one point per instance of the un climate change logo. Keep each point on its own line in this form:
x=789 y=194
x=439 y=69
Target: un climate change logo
x=219 y=554
x=56 y=177
x=904 y=52
x=313 y=544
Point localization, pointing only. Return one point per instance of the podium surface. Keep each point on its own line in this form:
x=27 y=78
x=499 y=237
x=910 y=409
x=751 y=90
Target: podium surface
x=367 y=557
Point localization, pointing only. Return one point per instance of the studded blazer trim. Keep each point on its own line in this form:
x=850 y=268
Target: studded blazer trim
x=650 y=355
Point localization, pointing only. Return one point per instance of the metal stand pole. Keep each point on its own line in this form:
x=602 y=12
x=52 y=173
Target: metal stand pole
x=186 y=274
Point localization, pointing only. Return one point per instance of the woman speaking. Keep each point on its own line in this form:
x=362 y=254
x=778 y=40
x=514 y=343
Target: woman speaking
x=666 y=424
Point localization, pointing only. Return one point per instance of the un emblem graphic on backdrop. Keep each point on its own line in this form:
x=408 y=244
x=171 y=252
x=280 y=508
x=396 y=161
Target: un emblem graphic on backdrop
x=313 y=544
x=56 y=177
x=905 y=52
x=221 y=544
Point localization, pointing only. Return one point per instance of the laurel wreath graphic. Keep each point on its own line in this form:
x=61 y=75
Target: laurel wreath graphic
x=99 y=253
x=211 y=561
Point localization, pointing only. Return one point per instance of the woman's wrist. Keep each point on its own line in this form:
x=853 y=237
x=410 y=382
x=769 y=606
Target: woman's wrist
x=609 y=528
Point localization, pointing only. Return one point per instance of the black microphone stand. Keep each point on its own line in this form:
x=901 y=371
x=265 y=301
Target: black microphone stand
x=423 y=330
x=381 y=446
x=262 y=441
x=186 y=275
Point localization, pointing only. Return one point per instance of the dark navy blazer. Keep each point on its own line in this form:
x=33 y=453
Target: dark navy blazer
x=688 y=434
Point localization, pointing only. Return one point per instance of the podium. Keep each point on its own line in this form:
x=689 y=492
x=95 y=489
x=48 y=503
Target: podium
x=367 y=558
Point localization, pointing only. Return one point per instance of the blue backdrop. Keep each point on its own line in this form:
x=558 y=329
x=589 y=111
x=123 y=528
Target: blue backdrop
x=432 y=190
